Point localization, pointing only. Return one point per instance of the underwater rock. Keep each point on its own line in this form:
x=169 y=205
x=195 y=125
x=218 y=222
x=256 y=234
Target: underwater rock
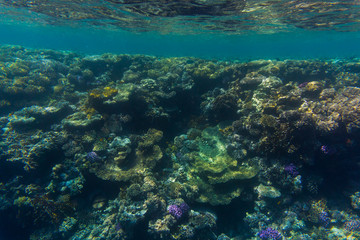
x=251 y=80
x=291 y=222
x=270 y=82
x=149 y=139
x=96 y=63
x=223 y=107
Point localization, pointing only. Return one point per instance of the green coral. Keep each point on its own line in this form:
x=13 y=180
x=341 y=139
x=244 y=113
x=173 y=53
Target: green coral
x=212 y=167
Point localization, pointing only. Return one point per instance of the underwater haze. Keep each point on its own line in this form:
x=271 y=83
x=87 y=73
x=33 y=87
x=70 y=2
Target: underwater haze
x=179 y=120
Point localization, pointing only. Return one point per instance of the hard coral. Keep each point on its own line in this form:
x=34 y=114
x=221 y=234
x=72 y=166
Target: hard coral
x=211 y=165
x=179 y=211
x=105 y=92
x=270 y=234
x=147 y=155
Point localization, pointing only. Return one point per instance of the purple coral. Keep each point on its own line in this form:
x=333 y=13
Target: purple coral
x=175 y=210
x=92 y=157
x=291 y=170
x=270 y=233
x=178 y=211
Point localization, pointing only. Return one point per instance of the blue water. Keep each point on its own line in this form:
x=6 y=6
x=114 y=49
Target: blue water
x=299 y=44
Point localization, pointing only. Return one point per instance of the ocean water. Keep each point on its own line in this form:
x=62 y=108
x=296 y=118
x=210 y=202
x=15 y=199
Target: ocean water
x=329 y=30
x=204 y=119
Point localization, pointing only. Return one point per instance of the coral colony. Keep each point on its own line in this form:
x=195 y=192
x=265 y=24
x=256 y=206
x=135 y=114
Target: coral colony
x=92 y=157
x=118 y=146
x=291 y=170
x=179 y=211
x=269 y=234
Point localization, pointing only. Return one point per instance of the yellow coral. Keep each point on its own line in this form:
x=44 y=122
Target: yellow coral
x=314 y=86
x=109 y=92
x=90 y=112
x=106 y=92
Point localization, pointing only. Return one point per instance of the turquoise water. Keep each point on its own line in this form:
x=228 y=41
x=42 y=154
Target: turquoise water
x=300 y=44
x=246 y=30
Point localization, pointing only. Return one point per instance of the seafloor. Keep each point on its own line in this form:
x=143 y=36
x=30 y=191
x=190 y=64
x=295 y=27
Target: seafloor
x=141 y=147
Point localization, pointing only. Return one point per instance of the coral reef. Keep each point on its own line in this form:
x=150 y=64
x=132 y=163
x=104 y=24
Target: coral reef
x=140 y=147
